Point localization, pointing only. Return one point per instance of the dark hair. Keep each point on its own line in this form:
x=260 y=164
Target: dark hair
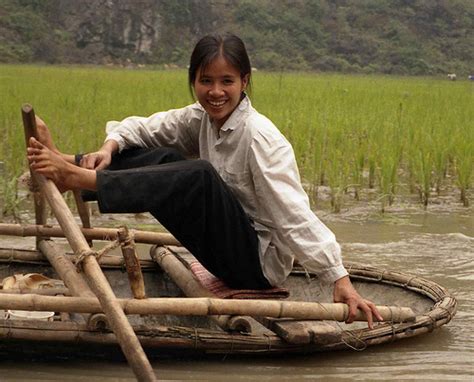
x=229 y=46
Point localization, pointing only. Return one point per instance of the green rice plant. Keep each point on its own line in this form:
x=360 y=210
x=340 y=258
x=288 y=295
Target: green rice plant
x=424 y=171
x=465 y=169
x=337 y=175
x=441 y=141
x=315 y=163
x=388 y=175
x=372 y=168
x=77 y=102
x=357 y=169
x=348 y=132
x=388 y=180
x=440 y=164
x=11 y=200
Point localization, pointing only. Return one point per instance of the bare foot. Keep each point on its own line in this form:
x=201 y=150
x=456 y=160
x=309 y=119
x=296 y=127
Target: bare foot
x=65 y=175
x=44 y=135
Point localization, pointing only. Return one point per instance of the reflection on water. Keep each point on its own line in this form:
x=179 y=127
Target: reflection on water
x=438 y=246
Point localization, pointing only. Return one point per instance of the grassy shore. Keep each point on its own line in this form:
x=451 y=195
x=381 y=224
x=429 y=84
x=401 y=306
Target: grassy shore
x=390 y=135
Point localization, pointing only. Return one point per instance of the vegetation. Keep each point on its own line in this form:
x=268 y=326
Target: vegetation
x=417 y=37
x=353 y=135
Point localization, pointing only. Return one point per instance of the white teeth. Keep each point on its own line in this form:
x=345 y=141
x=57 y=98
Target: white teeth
x=219 y=103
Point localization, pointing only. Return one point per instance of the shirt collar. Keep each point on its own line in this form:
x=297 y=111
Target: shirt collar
x=235 y=118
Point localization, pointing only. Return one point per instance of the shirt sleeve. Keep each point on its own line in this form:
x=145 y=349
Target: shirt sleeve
x=280 y=193
x=177 y=128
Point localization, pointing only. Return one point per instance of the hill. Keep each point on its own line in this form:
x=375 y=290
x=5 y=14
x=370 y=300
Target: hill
x=417 y=37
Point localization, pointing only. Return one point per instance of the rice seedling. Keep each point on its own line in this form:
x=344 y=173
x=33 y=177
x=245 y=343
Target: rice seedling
x=464 y=169
x=10 y=199
x=348 y=132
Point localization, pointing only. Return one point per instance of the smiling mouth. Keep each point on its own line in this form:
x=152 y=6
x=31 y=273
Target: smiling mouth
x=217 y=103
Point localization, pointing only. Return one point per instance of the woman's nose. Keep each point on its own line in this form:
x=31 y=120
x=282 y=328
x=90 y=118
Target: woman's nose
x=216 y=90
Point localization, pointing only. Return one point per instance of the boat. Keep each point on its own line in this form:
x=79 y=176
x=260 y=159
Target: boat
x=92 y=303
x=167 y=275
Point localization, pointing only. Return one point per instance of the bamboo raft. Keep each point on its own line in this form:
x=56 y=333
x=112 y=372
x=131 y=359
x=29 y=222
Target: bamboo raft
x=107 y=305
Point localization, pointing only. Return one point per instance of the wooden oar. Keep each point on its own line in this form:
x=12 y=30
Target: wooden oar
x=202 y=306
x=126 y=337
x=38 y=197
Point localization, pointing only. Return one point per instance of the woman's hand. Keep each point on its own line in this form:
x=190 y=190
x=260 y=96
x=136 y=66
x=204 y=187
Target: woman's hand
x=345 y=292
x=97 y=160
x=100 y=159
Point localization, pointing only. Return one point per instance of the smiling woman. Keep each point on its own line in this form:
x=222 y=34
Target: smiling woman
x=219 y=89
x=219 y=73
x=240 y=209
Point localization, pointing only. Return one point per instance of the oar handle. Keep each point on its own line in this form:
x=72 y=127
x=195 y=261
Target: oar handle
x=29 y=125
x=29 y=122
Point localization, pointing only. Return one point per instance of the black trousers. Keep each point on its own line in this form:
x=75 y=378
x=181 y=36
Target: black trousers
x=191 y=200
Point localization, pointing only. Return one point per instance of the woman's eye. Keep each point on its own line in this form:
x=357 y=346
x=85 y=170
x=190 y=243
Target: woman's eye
x=205 y=81
x=228 y=82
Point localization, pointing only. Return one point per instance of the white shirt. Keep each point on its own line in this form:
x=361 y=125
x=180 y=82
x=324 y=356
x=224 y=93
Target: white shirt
x=258 y=164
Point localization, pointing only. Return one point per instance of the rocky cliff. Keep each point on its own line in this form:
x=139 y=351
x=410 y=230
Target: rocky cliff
x=365 y=36
x=103 y=31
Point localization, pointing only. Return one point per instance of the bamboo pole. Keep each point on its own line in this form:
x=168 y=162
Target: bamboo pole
x=185 y=280
x=83 y=211
x=66 y=270
x=132 y=263
x=203 y=306
x=73 y=280
x=11 y=255
x=118 y=321
x=29 y=125
x=145 y=237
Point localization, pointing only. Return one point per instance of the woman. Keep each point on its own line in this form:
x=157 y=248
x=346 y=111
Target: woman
x=240 y=208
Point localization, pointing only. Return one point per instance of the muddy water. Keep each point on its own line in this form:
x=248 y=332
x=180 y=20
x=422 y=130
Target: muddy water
x=438 y=244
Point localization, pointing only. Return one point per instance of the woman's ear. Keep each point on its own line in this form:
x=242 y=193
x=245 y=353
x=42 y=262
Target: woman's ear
x=245 y=81
x=192 y=89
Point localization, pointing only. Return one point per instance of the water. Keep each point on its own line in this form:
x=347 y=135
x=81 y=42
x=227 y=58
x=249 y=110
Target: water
x=438 y=244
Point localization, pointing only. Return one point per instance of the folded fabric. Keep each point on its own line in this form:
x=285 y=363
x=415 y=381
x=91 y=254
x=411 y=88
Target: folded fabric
x=30 y=281
x=221 y=290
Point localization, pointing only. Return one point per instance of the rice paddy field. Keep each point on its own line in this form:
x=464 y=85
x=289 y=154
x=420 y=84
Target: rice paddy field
x=373 y=139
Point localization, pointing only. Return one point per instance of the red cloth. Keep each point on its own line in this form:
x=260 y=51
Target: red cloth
x=221 y=290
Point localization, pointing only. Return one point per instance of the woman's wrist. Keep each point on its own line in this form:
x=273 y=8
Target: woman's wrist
x=110 y=146
x=68 y=158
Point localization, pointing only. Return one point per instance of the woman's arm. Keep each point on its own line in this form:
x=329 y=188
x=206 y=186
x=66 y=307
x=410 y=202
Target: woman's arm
x=281 y=195
x=177 y=128
x=279 y=191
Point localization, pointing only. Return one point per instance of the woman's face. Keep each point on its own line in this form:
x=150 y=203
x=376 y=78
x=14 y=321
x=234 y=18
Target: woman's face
x=218 y=89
